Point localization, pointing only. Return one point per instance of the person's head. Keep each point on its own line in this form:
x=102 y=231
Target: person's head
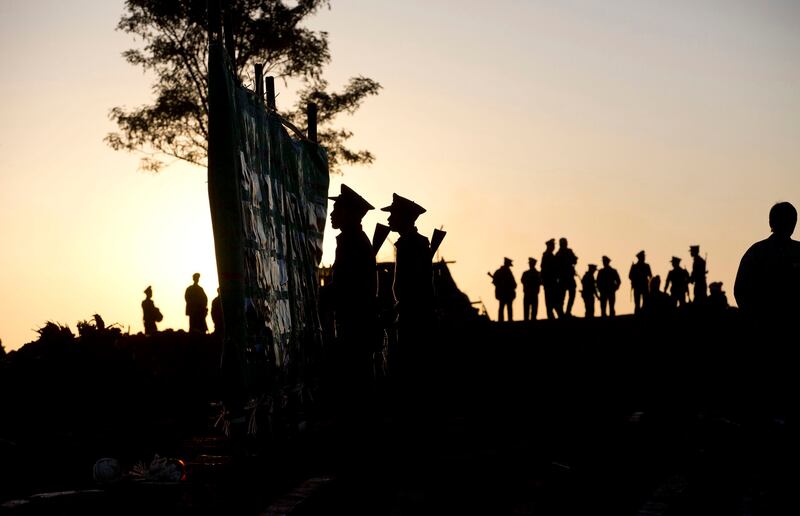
x=783 y=219
x=508 y=262
x=348 y=208
x=592 y=267
x=606 y=261
x=531 y=262
x=196 y=277
x=715 y=287
x=676 y=262
x=640 y=256
x=562 y=243
x=655 y=283
x=148 y=291
x=694 y=250
x=403 y=213
x=550 y=244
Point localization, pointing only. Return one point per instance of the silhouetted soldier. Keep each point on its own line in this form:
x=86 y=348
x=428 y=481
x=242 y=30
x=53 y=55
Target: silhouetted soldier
x=413 y=271
x=196 y=305
x=566 y=261
x=505 y=289
x=216 y=315
x=678 y=279
x=589 y=290
x=768 y=280
x=531 y=283
x=354 y=283
x=640 y=276
x=552 y=300
x=150 y=314
x=717 y=300
x=656 y=303
x=608 y=283
x=698 y=275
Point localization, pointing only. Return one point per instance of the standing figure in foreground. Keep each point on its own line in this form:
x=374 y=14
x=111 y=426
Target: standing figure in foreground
x=150 y=313
x=589 y=290
x=640 y=276
x=678 y=279
x=608 y=283
x=768 y=280
x=566 y=261
x=552 y=301
x=698 y=275
x=531 y=283
x=196 y=305
x=505 y=289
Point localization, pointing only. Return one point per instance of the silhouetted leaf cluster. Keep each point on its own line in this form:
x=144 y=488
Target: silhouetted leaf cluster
x=174 y=47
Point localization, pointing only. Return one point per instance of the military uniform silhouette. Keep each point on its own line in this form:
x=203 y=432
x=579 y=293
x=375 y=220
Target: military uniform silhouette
x=678 y=279
x=552 y=301
x=505 y=289
x=656 y=303
x=196 y=305
x=640 y=276
x=150 y=314
x=717 y=300
x=216 y=314
x=566 y=261
x=589 y=290
x=768 y=280
x=608 y=283
x=698 y=275
x=531 y=283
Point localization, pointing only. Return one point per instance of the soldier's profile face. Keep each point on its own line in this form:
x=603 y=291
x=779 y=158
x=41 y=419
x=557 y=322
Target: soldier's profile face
x=336 y=219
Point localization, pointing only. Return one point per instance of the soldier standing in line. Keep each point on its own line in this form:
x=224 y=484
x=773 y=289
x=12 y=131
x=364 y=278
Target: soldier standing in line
x=640 y=276
x=608 y=283
x=566 y=261
x=196 y=305
x=678 y=279
x=698 y=275
x=505 y=289
x=589 y=290
x=531 y=283
x=150 y=313
x=552 y=304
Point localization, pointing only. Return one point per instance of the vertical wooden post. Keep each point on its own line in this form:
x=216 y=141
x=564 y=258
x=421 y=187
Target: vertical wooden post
x=227 y=20
x=259 y=71
x=311 y=113
x=269 y=83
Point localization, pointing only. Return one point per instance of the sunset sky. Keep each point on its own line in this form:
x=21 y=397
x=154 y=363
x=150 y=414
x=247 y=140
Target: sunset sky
x=625 y=125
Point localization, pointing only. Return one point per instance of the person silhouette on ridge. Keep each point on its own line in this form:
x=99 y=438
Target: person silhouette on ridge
x=678 y=279
x=767 y=282
x=150 y=313
x=196 y=305
x=531 y=283
x=698 y=275
x=505 y=289
x=216 y=314
x=608 y=283
x=566 y=261
x=589 y=290
x=640 y=276
x=553 y=304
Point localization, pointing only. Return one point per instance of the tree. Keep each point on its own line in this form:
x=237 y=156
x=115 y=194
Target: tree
x=175 y=38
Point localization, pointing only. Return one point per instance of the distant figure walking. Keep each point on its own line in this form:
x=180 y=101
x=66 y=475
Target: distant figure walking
x=552 y=300
x=589 y=290
x=640 y=276
x=150 y=314
x=678 y=279
x=566 y=261
x=216 y=315
x=768 y=280
x=505 y=289
x=698 y=275
x=608 y=283
x=531 y=283
x=196 y=305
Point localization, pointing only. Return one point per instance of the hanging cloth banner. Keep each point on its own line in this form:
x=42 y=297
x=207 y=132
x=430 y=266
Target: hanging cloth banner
x=268 y=196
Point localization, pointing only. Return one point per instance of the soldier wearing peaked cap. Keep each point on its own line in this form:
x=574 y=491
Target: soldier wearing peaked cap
x=698 y=275
x=589 y=290
x=608 y=283
x=640 y=275
x=678 y=280
x=531 y=284
x=505 y=289
x=353 y=288
x=552 y=302
x=150 y=313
